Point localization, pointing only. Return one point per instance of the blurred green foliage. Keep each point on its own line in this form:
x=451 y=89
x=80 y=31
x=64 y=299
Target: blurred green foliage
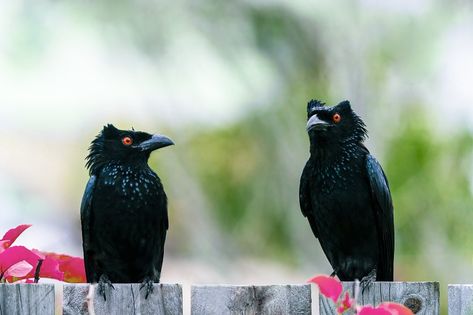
x=430 y=181
x=249 y=170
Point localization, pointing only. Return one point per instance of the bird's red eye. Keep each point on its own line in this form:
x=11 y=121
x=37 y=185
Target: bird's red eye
x=336 y=118
x=127 y=141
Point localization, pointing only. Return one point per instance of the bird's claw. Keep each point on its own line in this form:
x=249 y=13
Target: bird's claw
x=367 y=280
x=104 y=285
x=148 y=285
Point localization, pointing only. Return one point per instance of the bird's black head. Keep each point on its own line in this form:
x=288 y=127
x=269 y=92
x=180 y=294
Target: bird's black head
x=131 y=146
x=333 y=125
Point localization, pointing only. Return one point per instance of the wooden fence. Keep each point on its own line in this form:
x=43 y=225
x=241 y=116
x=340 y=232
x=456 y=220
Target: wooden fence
x=421 y=297
x=49 y=299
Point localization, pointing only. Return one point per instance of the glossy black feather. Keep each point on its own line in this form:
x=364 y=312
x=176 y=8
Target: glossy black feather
x=85 y=212
x=384 y=213
x=345 y=195
x=304 y=200
x=124 y=209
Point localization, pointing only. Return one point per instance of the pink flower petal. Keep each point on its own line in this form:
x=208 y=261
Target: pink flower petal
x=396 y=309
x=15 y=260
x=4 y=245
x=328 y=286
x=18 y=270
x=72 y=267
x=50 y=269
x=386 y=308
x=74 y=270
x=345 y=304
x=369 y=310
x=15 y=254
x=13 y=234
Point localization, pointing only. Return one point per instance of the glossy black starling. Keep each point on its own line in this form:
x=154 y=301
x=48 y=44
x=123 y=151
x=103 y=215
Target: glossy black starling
x=345 y=196
x=124 y=210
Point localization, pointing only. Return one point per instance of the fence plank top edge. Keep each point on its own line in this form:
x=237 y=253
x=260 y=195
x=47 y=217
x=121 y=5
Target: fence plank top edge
x=248 y=285
x=435 y=284
x=29 y=284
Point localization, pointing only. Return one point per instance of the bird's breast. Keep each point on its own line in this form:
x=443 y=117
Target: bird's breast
x=335 y=178
x=130 y=190
x=341 y=200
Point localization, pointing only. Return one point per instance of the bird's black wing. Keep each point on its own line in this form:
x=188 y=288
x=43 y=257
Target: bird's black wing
x=160 y=249
x=305 y=198
x=383 y=208
x=86 y=218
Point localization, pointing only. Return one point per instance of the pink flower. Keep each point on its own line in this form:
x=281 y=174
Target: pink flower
x=11 y=236
x=387 y=308
x=73 y=268
x=19 y=264
x=4 y=245
x=369 y=310
x=15 y=254
x=345 y=304
x=396 y=309
x=332 y=288
x=328 y=286
x=18 y=270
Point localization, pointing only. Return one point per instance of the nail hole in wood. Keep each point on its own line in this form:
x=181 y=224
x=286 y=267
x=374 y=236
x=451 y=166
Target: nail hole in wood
x=414 y=304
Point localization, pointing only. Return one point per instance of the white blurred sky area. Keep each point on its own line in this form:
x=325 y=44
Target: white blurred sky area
x=60 y=81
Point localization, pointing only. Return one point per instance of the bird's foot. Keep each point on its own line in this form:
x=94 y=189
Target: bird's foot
x=148 y=286
x=368 y=280
x=104 y=286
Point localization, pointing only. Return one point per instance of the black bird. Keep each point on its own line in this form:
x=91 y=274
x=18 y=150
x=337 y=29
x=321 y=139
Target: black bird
x=345 y=196
x=124 y=210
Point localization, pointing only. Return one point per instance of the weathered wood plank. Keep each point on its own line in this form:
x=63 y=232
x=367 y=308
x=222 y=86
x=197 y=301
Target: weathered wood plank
x=274 y=299
x=421 y=297
x=460 y=299
x=27 y=299
x=124 y=299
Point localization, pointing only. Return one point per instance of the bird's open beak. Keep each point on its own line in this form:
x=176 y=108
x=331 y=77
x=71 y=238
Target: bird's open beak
x=156 y=142
x=316 y=123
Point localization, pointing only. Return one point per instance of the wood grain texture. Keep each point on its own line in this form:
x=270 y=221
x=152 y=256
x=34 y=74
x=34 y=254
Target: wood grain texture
x=124 y=299
x=274 y=299
x=27 y=299
x=421 y=297
x=460 y=299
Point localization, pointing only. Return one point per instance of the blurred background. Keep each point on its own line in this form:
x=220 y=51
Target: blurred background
x=228 y=81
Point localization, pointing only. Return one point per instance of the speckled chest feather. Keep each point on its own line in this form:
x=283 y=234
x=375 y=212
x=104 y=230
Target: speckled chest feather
x=338 y=173
x=131 y=187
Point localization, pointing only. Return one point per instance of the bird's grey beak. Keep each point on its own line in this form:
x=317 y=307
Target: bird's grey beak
x=316 y=123
x=156 y=142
